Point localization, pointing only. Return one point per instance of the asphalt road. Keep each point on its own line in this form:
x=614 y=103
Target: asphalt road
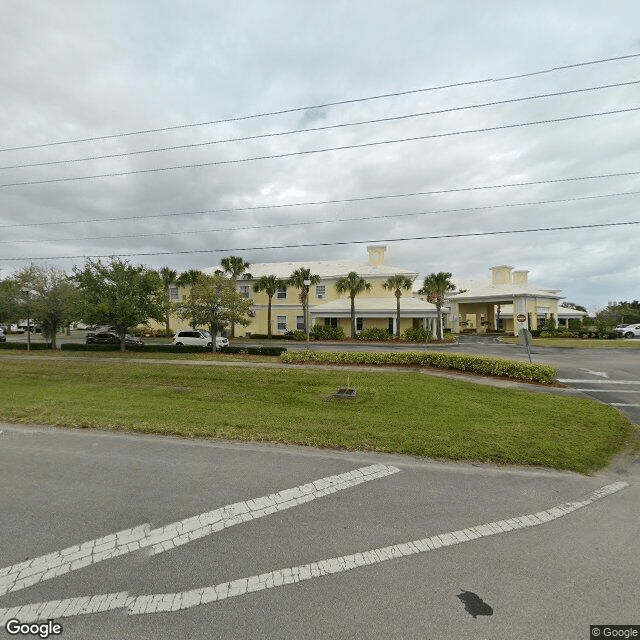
x=61 y=488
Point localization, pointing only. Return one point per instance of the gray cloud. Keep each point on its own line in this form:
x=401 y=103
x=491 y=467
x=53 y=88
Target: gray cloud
x=90 y=70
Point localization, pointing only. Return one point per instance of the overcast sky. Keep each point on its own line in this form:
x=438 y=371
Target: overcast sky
x=74 y=69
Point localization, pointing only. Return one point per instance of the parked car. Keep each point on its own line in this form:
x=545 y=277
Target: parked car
x=3 y=338
x=629 y=331
x=108 y=337
x=198 y=337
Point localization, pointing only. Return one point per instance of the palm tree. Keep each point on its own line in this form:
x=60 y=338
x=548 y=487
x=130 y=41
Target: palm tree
x=435 y=287
x=353 y=284
x=168 y=277
x=397 y=283
x=297 y=279
x=189 y=279
x=269 y=284
x=234 y=267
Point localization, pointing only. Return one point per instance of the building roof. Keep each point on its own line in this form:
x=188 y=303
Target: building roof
x=409 y=307
x=324 y=268
x=484 y=288
x=563 y=312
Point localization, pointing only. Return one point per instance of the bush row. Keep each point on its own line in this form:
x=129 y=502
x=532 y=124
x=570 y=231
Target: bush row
x=458 y=362
x=598 y=334
x=35 y=346
x=150 y=348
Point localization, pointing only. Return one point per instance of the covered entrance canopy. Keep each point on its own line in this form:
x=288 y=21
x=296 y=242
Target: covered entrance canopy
x=506 y=302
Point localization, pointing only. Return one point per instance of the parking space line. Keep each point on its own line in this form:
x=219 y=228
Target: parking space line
x=165 y=602
x=30 y=572
x=598 y=381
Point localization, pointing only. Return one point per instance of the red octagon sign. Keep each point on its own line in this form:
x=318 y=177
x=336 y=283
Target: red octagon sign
x=521 y=317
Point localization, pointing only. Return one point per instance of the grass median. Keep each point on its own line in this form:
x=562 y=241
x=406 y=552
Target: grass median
x=407 y=413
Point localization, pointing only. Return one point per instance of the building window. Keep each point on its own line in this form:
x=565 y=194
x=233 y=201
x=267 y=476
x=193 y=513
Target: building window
x=300 y=323
x=281 y=294
x=331 y=322
x=321 y=291
x=281 y=323
x=245 y=290
x=359 y=324
x=173 y=293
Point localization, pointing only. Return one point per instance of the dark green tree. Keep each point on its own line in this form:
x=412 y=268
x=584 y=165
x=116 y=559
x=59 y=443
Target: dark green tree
x=119 y=294
x=435 y=288
x=397 y=283
x=269 y=284
x=234 y=267
x=214 y=302
x=296 y=279
x=353 y=284
x=168 y=278
x=50 y=296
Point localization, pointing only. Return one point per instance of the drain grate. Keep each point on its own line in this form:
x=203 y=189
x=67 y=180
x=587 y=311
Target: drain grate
x=344 y=393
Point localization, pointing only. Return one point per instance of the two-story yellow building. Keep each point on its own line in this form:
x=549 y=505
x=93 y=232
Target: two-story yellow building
x=374 y=308
x=506 y=301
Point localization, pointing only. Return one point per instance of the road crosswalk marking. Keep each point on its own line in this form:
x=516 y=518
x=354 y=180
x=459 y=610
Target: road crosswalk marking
x=165 y=602
x=52 y=565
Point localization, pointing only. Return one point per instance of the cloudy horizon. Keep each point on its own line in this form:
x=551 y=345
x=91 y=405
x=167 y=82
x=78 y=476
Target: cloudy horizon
x=76 y=71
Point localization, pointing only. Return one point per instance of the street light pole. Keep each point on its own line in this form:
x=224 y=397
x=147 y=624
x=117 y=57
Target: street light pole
x=307 y=284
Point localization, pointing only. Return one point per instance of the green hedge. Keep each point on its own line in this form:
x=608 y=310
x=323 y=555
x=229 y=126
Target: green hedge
x=374 y=334
x=459 y=362
x=170 y=348
x=35 y=346
x=255 y=351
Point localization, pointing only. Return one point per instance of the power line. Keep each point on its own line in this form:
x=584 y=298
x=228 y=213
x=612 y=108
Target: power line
x=323 y=202
x=314 y=129
x=323 y=150
x=323 y=105
x=328 y=244
x=336 y=220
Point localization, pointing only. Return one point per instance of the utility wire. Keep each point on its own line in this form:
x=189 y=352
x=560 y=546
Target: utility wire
x=335 y=221
x=323 y=202
x=328 y=244
x=314 y=129
x=323 y=150
x=323 y=105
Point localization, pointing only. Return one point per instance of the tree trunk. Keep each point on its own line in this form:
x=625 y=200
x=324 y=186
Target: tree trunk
x=353 y=317
x=398 y=316
x=439 y=327
x=269 y=318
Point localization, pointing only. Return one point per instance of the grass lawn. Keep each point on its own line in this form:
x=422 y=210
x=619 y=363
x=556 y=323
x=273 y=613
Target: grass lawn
x=408 y=413
x=577 y=343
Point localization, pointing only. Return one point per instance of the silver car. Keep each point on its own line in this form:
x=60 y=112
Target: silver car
x=198 y=337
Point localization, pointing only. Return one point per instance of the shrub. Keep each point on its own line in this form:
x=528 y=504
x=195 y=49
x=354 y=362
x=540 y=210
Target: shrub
x=459 y=362
x=295 y=335
x=372 y=334
x=258 y=351
x=322 y=332
x=417 y=334
x=35 y=346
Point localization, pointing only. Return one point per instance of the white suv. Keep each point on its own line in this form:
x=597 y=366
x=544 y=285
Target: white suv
x=629 y=331
x=198 y=337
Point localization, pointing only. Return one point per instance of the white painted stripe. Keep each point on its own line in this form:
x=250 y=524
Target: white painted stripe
x=52 y=565
x=599 y=381
x=163 y=602
x=622 y=404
